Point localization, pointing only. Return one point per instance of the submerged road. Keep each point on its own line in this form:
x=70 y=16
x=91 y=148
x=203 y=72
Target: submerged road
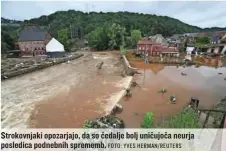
x=64 y=95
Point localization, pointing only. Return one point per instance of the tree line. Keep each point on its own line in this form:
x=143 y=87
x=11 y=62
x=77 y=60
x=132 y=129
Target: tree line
x=105 y=30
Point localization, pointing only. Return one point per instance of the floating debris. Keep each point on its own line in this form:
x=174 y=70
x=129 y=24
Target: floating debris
x=225 y=79
x=162 y=91
x=99 y=65
x=183 y=74
x=173 y=99
x=220 y=73
x=128 y=92
x=134 y=84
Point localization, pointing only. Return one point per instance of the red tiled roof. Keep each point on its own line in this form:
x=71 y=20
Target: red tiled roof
x=145 y=42
x=169 y=50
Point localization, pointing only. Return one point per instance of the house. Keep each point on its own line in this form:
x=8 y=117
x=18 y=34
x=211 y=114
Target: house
x=147 y=46
x=218 y=36
x=203 y=34
x=223 y=39
x=223 y=50
x=158 y=38
x=189 y=38
x=155 y=49
x=33 y=41
x=190 y=50
x=54 y=49
x=215 y=39
x=169 y=51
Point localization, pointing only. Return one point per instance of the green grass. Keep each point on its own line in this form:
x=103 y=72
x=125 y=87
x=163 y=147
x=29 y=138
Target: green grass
x=185 y=119
x=201 y=45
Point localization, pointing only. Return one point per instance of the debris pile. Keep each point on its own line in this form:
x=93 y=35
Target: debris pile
x=162 y=91
x=108 y=121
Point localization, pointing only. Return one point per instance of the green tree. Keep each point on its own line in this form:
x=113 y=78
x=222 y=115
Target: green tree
x=128 y=42
x=116 y=35
x=202 y=40
x=135 y=37
x=98 y=39
x=7 y=42
x=62 y=36
x=122 y=50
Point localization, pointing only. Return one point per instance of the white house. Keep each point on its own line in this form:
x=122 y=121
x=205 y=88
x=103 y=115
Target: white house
x=54 y=49
x=189 y=50
x=223 y=50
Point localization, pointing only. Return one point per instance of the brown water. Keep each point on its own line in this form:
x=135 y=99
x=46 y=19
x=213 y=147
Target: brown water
x=203 y=82
x=62 y=96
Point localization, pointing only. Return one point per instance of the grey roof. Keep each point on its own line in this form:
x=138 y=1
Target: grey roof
x=176 y=36
x=158 y=38
x=190 y=34
x=32 y=34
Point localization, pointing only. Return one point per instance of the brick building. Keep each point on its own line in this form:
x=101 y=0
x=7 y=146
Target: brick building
x=154 y=49
x=33 y=41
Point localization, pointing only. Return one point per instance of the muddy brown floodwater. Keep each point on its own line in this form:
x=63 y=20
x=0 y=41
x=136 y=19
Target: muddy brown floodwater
x=63 y=96
x=203 y=82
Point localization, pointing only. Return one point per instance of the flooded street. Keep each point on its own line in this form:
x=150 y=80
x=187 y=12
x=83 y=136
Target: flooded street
x=64 y=95
x=203 y=82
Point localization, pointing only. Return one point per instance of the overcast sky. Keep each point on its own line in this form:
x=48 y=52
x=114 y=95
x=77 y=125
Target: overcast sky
x=202 y=14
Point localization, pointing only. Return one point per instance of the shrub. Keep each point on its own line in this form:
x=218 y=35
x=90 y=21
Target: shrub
x=148 y=120
x=184 y=119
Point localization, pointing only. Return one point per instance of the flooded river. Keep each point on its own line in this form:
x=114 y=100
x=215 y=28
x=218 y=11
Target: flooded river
x=203 y=82
x=62 y=96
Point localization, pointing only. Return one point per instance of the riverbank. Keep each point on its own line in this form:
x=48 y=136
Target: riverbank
x=23 y=66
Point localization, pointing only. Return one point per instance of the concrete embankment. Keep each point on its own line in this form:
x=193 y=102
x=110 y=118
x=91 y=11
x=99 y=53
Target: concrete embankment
x=126 y=82
x=38 y=67
x=129 y=70
x=116 y=97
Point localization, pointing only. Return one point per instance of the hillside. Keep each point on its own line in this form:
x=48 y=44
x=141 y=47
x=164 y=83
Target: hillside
x=147 y=24
x=60 y=23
